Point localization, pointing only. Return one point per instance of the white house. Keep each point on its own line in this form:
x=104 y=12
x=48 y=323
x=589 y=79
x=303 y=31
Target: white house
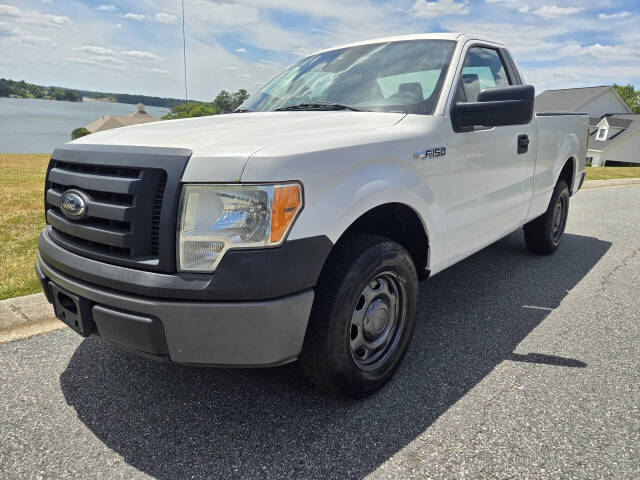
x=613 y=129
x=596 y=101
x=615 y=140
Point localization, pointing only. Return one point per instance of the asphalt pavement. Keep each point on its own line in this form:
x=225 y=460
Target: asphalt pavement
x=521 y=367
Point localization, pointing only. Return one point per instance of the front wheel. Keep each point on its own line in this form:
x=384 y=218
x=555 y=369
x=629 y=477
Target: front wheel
x=363 y=316
x=544 y=234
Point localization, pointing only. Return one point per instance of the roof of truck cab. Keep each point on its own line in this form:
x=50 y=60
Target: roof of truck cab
x=416 y=36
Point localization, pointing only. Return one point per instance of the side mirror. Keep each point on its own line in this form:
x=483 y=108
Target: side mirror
x=496 y=107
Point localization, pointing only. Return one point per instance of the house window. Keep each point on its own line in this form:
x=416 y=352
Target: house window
x=602 y=134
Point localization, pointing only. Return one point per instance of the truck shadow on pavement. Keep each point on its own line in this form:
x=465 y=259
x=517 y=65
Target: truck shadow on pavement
x=174 y=422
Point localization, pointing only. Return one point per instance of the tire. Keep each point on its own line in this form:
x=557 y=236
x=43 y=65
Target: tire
x=362 y=318
x=544 y=234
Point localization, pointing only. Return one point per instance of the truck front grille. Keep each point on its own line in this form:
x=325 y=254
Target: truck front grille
x=126 y=220
x=123 y=208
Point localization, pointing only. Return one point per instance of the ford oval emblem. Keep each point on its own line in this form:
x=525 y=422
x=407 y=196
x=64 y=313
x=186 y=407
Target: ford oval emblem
x=73 y=205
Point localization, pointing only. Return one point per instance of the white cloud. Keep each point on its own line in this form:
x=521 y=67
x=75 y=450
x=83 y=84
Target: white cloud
x=10 y=10
x=12 y=35
x=33 y=16
x=140 y=54
x=553 y=11
x=136 y=16
x=602 y=52
x=107 y=8
x=241 y=50
x=104 y=61
x=611 y=16
x=223 y=15
x=164 y=17
x=108 y=55
x=513 y=4
x=157 y=71
x=425 y=9
x=96 y=50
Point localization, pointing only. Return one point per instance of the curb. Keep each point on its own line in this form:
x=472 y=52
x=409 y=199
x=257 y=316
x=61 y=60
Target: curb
x=616 y=182
x=18 y=311
x=21 y=317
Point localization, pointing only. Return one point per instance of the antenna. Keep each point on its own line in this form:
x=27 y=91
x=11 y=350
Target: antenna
x=184 y=56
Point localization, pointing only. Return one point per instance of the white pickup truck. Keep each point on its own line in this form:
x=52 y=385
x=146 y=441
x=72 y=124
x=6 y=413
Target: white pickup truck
x=299 y=226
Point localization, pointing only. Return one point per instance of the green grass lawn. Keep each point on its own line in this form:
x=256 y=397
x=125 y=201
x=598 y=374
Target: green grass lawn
x=607 y=173
x=22 y=217
x=21 y=220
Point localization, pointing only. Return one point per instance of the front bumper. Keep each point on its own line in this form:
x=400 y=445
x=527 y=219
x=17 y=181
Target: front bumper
x=248 y=333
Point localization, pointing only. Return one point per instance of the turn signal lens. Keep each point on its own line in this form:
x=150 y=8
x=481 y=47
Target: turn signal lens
x=287 y=202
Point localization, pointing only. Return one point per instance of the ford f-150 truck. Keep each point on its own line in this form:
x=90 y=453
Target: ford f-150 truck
x=298 y=227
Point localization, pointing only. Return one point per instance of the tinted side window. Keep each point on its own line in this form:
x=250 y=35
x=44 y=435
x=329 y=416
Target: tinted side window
x=482 y=68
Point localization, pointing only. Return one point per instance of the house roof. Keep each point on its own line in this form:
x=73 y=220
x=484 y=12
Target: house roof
x=107 y=122
x=618 y=122
x=568 y=99
x=632 y=122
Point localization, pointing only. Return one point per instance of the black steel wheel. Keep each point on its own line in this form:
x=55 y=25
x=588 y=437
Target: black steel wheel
x=378 y=321
x=362 y=318
x=544 y=234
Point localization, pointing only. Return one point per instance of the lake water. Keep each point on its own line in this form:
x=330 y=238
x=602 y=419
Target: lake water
x=39 y=126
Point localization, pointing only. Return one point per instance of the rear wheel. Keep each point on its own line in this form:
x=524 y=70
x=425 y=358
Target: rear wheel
x=363 y=316
x=544 y=234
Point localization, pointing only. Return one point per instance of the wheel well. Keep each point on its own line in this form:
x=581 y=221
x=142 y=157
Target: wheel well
x=399 y=223
x=568 y=174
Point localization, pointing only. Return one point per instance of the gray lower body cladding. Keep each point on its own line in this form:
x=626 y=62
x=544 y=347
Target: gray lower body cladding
x=258 y=333
x=243 y=274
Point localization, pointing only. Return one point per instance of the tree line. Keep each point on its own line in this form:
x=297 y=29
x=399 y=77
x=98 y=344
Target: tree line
x=224 y=102
x=147 y=100
x=23 y=89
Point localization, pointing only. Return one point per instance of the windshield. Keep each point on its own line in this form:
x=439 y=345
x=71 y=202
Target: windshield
x=402 y=77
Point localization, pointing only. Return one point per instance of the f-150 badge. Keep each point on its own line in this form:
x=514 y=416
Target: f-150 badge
x=431 y=153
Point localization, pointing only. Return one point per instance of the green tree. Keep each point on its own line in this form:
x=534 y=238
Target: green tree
x=239 y=97
x=72 y=95
x=79 y=132
x=630 y=95
x=5 y=88
x=224 y=102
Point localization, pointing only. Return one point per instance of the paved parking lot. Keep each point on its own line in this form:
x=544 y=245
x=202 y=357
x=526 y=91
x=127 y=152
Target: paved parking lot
x=521 y=367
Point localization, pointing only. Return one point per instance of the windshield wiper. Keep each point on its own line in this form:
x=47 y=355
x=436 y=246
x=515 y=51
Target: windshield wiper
x=318 y=106
x=243 y=110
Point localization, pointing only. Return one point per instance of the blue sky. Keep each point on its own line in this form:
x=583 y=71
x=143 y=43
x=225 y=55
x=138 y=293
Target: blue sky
x=136 y=46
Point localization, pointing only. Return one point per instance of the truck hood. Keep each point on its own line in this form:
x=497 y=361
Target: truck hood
x=226 y=142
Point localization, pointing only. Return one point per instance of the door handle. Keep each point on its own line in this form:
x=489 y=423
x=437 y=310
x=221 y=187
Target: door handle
x=523 y=144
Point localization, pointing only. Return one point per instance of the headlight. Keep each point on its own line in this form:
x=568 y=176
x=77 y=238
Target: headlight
x=215 y=218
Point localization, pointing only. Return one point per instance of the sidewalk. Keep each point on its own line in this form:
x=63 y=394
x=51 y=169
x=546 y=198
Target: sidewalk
x=617 y=182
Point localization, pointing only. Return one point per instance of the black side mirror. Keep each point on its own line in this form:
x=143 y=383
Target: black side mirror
x=496 y=107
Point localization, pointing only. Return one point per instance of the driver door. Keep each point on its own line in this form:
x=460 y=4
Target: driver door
x=489 y=181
